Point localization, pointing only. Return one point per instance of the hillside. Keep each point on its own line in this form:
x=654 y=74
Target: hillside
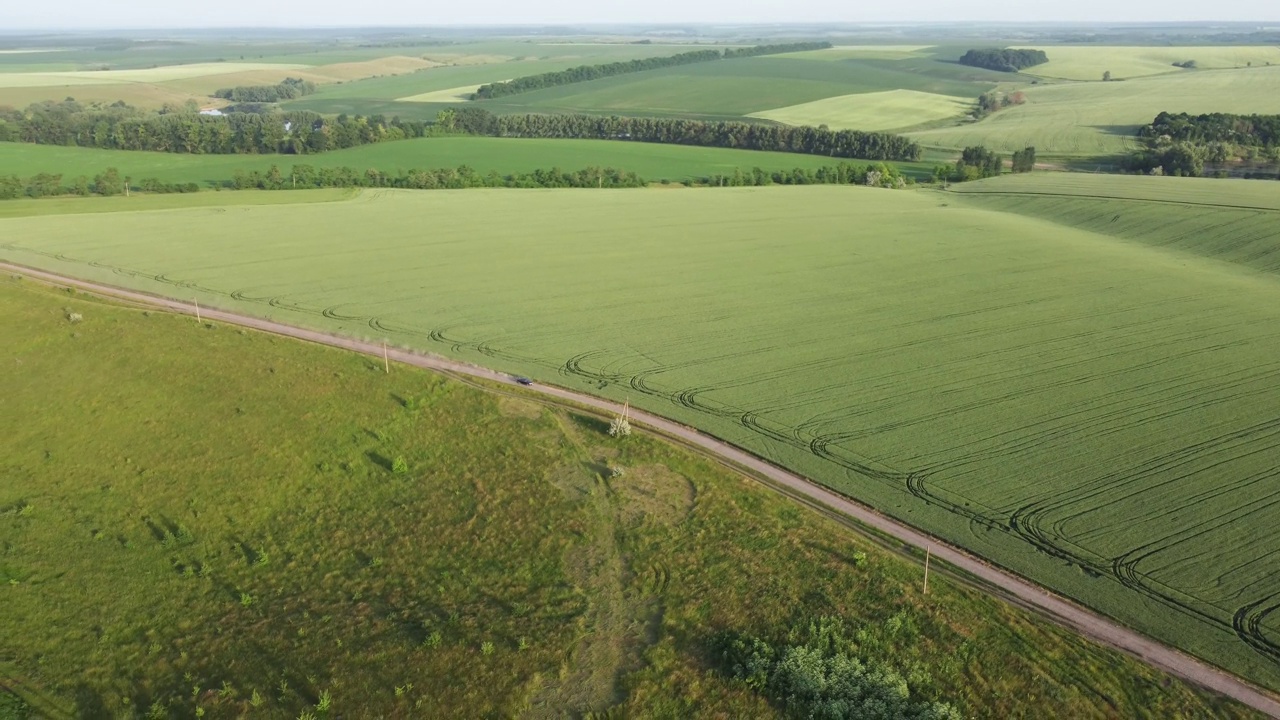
x=259 y=525
x=1033 y=392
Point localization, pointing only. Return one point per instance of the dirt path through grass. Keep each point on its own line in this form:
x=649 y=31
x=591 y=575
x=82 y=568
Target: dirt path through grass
x=1101 y=629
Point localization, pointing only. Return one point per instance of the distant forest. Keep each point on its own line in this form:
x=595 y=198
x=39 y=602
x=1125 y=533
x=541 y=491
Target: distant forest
x=1004 y=60
x=290 y=89
x=1247 y=130
x=583 y=73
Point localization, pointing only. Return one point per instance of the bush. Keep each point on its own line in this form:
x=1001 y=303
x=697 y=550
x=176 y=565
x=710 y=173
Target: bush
x=822 y=678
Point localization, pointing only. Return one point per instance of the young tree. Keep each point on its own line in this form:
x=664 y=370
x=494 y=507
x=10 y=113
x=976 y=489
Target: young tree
x=109 y=183
x=1106 y=76
x=978 y=162
x=1024 y=160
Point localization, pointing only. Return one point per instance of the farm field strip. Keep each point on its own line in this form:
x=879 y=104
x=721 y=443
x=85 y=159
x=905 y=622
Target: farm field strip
x=448 y=95
x=1103 y=118
x=739 y=87
x=1089 y=63
x=878 y=111
x=149 y=75
x=1051 y=398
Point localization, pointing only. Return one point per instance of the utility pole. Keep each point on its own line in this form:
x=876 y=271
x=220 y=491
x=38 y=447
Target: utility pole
x=928 y=550
x=386 y=362
x=197 y=302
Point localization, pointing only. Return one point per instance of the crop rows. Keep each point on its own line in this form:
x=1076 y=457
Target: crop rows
x=1086 y=410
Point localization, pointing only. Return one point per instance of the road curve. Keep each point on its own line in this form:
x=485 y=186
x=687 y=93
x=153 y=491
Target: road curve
x=1100 y=629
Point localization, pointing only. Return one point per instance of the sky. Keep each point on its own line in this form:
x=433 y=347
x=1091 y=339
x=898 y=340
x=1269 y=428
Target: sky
x=88 y=14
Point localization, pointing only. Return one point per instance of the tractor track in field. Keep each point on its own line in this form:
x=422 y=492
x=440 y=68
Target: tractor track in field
x=972 y=569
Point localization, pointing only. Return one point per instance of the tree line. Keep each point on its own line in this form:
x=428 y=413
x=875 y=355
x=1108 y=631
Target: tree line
x=679 y=131
x=584 y=73
x=303 y=132
x=290 y=89
x=303 y=176
x=120 y=127
x=107 y=183
x=1004 y=59
x=874 y=175
x=463 y=177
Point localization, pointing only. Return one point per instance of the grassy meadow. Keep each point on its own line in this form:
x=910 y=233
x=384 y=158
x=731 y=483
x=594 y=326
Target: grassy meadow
x=200 y=521
x=654 y=162
x=1092 y=410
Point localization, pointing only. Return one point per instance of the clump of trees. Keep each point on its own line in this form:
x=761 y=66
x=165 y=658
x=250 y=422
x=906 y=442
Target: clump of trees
x=584 y=73
x=1186 y=64
x=1253 y=130
x=1183 y=144
x=1004 y=59
x=990 y=102
x=1024 y=160
x=290 y=89
x=820 y=674
x=976 y=163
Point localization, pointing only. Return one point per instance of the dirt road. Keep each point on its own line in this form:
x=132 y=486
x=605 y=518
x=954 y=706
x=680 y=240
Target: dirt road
x=1100 y=629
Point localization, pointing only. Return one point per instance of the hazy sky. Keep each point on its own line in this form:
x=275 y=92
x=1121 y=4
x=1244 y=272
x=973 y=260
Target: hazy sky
x=15 y=14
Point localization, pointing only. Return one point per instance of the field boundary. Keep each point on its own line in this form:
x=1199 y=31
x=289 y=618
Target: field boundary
x=1020 y=193
x=1101 y=629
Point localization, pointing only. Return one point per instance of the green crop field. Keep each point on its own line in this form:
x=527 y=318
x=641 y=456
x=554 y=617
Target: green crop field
x=1101 y=118
x=737 y=88
x=862 y=52
x=199 y=521
x=654 y=162
x=1092 y=411
x=888 y=110
x=1090 y=62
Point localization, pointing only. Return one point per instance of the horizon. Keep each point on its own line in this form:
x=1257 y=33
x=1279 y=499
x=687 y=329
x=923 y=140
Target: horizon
x=151 y=15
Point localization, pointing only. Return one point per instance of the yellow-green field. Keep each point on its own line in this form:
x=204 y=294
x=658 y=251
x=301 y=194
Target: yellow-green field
x=149 y=75
x=889 y=110
x=153 y=87
x=863 y=52
x=448 y=95
x=1090 y=62
x=1102 y=118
